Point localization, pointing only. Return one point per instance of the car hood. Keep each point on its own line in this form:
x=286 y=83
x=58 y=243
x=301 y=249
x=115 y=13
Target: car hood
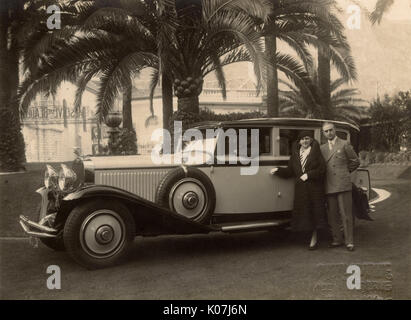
x=133 y=161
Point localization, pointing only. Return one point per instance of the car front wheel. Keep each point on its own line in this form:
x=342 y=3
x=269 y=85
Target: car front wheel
x=98 y=233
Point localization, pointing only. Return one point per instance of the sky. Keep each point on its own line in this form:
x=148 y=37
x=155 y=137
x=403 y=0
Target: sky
x=382 y=53
x=401 y=9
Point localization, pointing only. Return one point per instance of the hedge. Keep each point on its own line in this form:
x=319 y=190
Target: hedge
x=12 y=148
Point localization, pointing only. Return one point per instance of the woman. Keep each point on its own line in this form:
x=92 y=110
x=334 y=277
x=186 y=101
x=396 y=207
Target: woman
x=308 y=167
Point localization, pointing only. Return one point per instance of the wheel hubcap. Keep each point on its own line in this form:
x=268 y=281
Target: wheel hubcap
x=190 y=200
x=188 y=197
x=102 y=234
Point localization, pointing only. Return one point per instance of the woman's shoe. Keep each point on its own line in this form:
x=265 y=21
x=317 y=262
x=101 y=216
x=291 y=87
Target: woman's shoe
x=314 y=241
x=313 y=247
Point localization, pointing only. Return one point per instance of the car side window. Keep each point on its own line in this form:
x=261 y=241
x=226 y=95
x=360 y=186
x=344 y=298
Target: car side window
x=287 y=138
x=264 y=141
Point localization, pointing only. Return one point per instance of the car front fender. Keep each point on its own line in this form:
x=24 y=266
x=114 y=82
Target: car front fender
x=150 y=218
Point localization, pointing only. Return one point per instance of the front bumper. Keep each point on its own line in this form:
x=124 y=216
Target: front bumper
x=43 y=228
x=39 y=230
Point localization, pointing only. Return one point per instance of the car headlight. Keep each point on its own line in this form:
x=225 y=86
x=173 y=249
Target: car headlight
x=67 y=178
x=50 y=178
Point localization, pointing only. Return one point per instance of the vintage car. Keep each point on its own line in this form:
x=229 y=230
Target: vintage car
x=94 y=209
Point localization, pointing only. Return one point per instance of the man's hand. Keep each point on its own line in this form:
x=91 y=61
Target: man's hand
x=304 y=177
x=274 y=170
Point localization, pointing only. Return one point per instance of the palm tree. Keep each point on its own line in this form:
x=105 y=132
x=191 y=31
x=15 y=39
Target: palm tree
x=381 y=7
x=324 y=61
x=300 y=24
x=345 y=102
x=74 y=59
x=204 y=38
x=117 y=41
x=15 y=18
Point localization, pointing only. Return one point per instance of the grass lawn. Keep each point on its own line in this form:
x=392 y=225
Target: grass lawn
x=18 y=196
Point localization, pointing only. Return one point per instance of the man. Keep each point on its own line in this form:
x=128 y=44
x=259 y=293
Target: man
x=341 y=160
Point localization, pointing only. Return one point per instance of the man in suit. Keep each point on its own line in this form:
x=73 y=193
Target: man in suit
x=341 y=160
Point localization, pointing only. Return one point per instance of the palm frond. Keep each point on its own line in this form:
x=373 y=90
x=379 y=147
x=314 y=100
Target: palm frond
x=381 y=7
x=257 y=8
x=82 y=82
x=154 y=79
x=297 y=74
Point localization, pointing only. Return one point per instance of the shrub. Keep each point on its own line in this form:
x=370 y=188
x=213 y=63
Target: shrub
x=124 y=144
x=363 y=155
x=364 y=158
x=12 y=148
x=208 y=115
x=371 y=157
x=390 y=121
x=190 y=119
x=380 y=157
x=389 y=157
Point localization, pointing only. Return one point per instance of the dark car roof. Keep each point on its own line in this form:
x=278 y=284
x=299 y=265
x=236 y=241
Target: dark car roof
x=275 y=121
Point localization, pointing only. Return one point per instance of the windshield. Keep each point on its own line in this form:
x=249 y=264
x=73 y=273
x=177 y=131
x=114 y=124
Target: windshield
x=200 y=145
x=199 y=151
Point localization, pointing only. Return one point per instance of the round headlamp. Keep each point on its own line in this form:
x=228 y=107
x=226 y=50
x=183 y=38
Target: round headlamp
x=67 y=178
x=50 y=178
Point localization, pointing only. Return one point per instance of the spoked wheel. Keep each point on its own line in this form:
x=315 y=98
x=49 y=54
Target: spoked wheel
x=190 y=194
x=98 y=234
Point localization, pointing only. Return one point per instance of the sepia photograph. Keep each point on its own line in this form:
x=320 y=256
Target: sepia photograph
x=181 y=151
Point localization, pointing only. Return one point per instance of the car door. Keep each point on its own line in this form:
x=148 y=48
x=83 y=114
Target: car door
x=238 y=192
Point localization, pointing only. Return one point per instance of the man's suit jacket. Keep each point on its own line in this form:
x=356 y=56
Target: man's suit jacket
x=340 y=161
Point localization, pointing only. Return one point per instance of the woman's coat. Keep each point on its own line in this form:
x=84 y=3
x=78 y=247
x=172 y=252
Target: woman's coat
x=309 y=197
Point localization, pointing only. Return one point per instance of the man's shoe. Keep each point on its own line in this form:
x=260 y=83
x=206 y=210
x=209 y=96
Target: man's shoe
x=335 y=245
x=350 y=247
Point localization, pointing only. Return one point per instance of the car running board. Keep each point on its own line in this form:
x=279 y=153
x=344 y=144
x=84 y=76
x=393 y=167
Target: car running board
x=251 y=226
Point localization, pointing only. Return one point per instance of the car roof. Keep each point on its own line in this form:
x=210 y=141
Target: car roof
x=273 y=122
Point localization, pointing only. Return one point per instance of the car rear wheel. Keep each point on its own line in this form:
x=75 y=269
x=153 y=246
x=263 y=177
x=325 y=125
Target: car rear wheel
x=98 y=233
x=188 y=192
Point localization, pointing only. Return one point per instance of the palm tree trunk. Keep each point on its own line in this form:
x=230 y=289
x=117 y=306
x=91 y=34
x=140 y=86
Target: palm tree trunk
x=167 y=97
x=324 y=83
x=12 y=148
x=5 y=85
x=189 y=104
x=127 y=112
x=273 y=103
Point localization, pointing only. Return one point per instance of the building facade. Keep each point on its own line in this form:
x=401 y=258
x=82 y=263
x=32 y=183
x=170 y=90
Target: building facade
x=53 y=129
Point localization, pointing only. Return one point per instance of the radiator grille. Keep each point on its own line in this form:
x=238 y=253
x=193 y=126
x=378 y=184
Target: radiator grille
x=140 y=182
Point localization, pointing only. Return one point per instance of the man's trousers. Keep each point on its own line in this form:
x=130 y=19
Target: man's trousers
x=340 y=211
